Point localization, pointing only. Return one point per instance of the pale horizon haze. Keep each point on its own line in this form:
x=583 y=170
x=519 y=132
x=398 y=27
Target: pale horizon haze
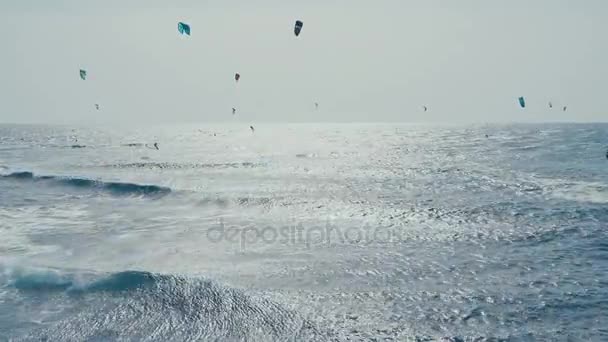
x=376 y=61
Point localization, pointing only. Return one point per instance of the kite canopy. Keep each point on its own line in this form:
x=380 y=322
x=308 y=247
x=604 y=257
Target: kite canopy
x=522 y=102
x=83 y=74
x=298 y=27
x=183 y=28
x=237 y=77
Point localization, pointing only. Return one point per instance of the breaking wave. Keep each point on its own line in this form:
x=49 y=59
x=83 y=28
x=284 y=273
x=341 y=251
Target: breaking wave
x=115 y=188
x=137 y=305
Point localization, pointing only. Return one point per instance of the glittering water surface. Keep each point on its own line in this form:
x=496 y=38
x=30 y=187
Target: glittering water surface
x=306 y=232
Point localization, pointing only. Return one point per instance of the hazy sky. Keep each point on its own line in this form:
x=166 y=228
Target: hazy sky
x=362 y=60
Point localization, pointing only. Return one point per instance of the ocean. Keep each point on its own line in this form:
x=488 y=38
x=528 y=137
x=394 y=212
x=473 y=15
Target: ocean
x=304 y=232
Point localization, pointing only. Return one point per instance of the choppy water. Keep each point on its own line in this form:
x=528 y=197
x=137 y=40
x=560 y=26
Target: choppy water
x=304 y=232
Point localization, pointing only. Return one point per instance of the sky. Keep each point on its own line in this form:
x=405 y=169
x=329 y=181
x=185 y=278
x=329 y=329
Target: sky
x=361 y=60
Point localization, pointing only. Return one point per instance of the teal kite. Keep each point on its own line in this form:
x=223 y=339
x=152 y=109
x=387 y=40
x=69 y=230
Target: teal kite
x=183 y=28
x=83 y=74
x=522 y=102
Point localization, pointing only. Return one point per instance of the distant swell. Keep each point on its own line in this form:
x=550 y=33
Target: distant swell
x=115 y=188
x=173 y=166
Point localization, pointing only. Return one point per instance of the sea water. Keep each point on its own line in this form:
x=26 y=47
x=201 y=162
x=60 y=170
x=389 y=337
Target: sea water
x=324 y=232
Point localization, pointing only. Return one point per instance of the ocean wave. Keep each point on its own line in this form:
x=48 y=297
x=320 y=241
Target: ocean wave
x=583 y=192
x=266 y=203
x=139 y=305
x=51 y=280
x=307 y=155
x=115 y=188
x=173 y=166
x=590 y=192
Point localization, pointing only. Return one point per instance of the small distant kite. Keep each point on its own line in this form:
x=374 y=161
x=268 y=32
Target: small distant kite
x=183 y=28
x=83 y=74
x=252 y=129
x=316 y=105
x=522 y=102
x=233 y=110
x=237 y=77
x=550 y=105
x=425 y=108
x=97 y=106
x=298 y=28
x=565 y=108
